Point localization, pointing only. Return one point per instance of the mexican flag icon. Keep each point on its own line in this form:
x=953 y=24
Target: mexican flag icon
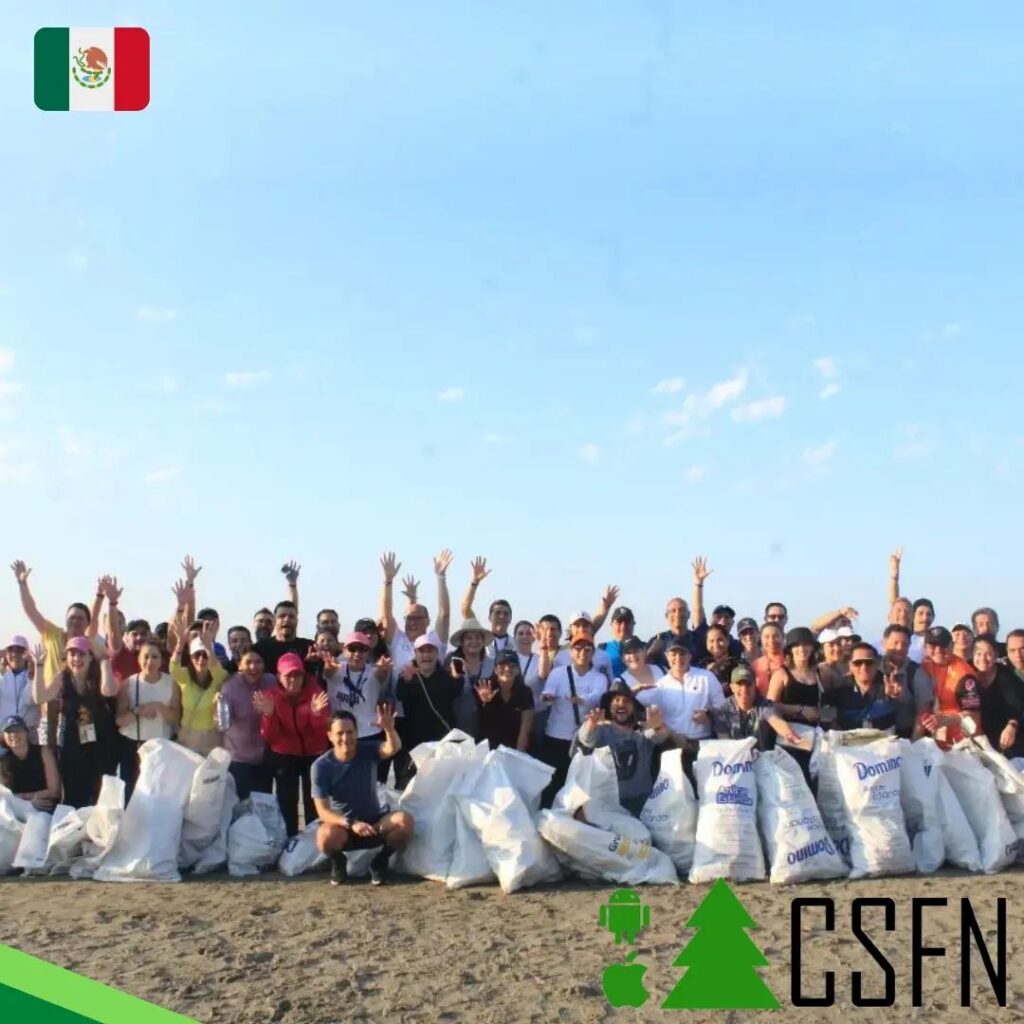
x=92 y=69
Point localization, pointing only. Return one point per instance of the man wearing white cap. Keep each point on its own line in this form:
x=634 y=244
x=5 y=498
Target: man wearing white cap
x=582 y=624
x=16 y=687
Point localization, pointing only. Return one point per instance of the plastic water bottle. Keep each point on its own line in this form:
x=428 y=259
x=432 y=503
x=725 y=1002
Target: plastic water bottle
x=223 y=714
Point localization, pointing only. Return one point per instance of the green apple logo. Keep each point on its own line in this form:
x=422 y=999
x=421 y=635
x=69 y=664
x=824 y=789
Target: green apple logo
x=623 y=984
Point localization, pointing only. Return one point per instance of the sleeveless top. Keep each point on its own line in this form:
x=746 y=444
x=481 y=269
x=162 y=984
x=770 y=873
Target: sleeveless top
x=28 y=776
x=803 y=694
x=140 y=692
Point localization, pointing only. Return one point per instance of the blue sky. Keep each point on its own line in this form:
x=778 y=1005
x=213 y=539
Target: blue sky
x=588 y=290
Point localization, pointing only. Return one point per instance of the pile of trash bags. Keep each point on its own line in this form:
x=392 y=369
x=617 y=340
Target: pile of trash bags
x=884 y=806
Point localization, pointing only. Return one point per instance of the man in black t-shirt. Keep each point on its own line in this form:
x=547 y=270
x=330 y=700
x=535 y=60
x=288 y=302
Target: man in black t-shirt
x=284 y=640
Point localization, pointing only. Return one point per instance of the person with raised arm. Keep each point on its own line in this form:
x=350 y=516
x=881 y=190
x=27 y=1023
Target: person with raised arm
x=295 y=720
x=148 y=708
x=345 y=796
x=200 y=677
x=417 y=618
x=185 y=599
x=357 y=686
x=499 y=614
x=623 y=623
x=84 y=690
x=505 y=705
x=677 y=613
x=79 y=620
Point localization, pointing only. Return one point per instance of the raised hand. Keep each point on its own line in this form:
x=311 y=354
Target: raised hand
x=480 y=570
x=411 y=588
x=191 y=570
x=383 y=668
x=331 y=663
x=654 y=718
x=39 y=654
x=390 y=565
x=263 y=702
x=206 y=633
x=291 y=572
x=320 y=702
x=385 y=716
x=442 y=561
x=894 y=562
x=485 y=691
x=180 y=591
x=849 y=613
x=108 y=584
x=594 y=718
x=700 y=570
x=21 y=571
x=611 y=595
x=314 y=653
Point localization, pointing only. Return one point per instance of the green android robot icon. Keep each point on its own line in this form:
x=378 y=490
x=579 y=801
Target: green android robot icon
x=624 y=915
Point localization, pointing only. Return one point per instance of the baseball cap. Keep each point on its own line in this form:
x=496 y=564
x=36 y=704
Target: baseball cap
x=507 y=657
x=939 y=636
x=12 y=722
x=78 y=643
x=290 y=662
x=843 y=632
x=724 y=609
x=17 y=641
x=828 y=636
x=623 y=614
x=747 y=625
x=634 y=643
x=580 y=617
x=196 y=646
x=741 y=674
x=427 y=640
x=675 y=644
x=355 y=637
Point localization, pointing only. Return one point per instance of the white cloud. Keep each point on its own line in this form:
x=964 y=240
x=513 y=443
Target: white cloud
x=820 y=456
x=162 y=476
x=668 y=386
x=590 y=453
x=700 y=407
x=9 y=387
x=155 y=314
x=947 y=332
x=826 y=366
x=828 y=391
x=451 y=395
x=762 y=409
x=6 y=360
x=695 y=473
x=245 y=378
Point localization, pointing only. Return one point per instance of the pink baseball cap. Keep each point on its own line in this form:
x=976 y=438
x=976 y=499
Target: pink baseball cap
x=358 y=638
x=18 y=641
x=427 y=640
x=288 y=663
x=78 y=643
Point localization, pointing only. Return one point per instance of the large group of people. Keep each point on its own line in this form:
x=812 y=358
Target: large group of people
x=319 y=720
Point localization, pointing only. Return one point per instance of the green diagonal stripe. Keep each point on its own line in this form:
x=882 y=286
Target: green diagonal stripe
x=71 y=998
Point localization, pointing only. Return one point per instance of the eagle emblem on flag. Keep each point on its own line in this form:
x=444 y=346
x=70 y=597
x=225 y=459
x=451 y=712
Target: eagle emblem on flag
x=90 y=68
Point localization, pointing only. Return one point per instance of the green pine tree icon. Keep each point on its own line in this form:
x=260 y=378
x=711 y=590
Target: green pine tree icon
x=721 y=959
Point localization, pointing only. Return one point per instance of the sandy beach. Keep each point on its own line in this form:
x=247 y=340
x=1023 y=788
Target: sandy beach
x=297 y=951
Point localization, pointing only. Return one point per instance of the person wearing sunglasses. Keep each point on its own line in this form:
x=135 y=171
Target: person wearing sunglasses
x=200 y=677
x=869 y=699
x=356 y=686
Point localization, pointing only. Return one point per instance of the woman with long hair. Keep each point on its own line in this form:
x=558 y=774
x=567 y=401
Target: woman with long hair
x=148 y=708
x=200 y=676
x=470 y=663
x=772 y=658
x=505 y=704
x=795 y=689
x=84 y=691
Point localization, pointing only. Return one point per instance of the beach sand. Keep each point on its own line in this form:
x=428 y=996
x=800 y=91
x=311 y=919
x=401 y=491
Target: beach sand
x=300 y=952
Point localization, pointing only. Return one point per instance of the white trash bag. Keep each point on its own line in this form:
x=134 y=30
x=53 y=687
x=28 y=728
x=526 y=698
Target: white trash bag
x=919 y=796
x=670 y=813
x=21 y=809
x=214 y=856
x=67 y=835
x=257 y=836
x=591 y=779
x=31 y=855
x=870 y=778
x=202 y=819
x=982 y=804
x=1009 y=782
x=101 y=827
x=830 y=795
x=146 y=848
x=959 y=844
x=11 y=830
x=727 y=841
x=444 y=770
x=799 y=847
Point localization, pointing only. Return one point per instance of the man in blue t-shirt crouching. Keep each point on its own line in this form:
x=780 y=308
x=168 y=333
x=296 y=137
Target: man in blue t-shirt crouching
x=345 y=794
